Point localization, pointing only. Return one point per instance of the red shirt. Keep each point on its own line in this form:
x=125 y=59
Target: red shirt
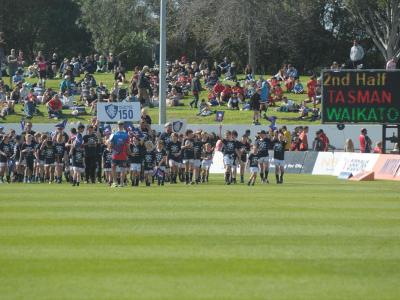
x=218 y=88
x=311 y=85
x=325 y=141
x=55 y=105
x=227 y=91
x=238 y=90
x=304 y=141
x=362 y=143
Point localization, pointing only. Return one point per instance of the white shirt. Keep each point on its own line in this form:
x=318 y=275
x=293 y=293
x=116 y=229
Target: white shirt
x=356 y=53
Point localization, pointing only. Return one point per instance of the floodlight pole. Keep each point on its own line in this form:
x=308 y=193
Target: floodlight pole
x=162 y=117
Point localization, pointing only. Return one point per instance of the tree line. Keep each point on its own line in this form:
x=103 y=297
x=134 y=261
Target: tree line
x=310 y=34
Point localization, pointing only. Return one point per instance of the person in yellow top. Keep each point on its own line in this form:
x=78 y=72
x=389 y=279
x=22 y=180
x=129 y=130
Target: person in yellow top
x=288 y=137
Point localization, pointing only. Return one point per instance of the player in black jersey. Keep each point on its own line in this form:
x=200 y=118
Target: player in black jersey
x=197 y=148
x=40 y=157
x=229 y=150
x=161 y=162
x=77 y=154
x=28 y=157
x=207 y=159
x=136 y=159
x=244 y=149
x=263 y=144
x=149 y=159
x=174 y=156
x=188 y=155
x=107 y=162
x=252 y=162
x=60 y=156
x=5 y=154
x=49 y=158
x=236 y=156
x=279 y=157
x=19 y=164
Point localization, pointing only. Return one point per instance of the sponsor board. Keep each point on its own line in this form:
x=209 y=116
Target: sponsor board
x=119 y=111
x=326 y=163
x=387 y=167
x=334 y=163
x=355 y=163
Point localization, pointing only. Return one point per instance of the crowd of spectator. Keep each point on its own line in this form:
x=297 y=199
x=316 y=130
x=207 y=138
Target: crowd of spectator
x=79 y=88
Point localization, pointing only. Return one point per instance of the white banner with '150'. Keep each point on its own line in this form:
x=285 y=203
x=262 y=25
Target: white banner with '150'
x=116 y=111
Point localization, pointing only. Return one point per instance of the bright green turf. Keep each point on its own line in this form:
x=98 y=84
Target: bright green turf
x=312 y=238
x=182 y=112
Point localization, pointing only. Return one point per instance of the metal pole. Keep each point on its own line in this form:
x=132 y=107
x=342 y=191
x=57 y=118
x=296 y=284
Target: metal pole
x=162 y=117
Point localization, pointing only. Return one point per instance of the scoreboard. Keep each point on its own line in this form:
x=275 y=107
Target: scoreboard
x=361 y=96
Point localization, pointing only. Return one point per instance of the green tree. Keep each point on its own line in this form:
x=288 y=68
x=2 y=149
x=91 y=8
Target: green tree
x=43 y=25
x=381 y=21
x=120 y=26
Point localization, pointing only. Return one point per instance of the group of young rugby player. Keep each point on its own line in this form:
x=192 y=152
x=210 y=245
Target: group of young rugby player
x=129 y=156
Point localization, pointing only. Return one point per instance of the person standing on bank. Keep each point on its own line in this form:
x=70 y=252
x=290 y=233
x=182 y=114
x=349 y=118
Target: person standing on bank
x=356 y=54
x=12 y=61
x=196 y=89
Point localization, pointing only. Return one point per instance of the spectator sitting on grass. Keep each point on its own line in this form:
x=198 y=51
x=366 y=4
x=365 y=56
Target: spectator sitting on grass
x=89 y=80
x=233 y=102
x=101 y=64
x=38 y=90
x=24 y=91
x=232 y=72
x=281 y=74
x=33 y=70
x=304 y=110
x=226 y=93
x=18 y=76
x=67 y=100
x=173 y=98
x=102 y=91
x=286 y=105
x=298 y=87
x=204 y=109
x=30 y=105
x=91 y=98
x=291 y=72
x=212 y=80
x=85 y=91
x=289 y=84
x=15 y=94
x=217 y=91
x=276 y=95
x=6 y=106
x=33 y=97
x=54 y=107
x=119 y=75
x=66 y=85
x=239 y=91
x=47 y=95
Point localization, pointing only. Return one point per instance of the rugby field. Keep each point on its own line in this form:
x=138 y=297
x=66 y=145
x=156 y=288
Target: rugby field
x=310 y=238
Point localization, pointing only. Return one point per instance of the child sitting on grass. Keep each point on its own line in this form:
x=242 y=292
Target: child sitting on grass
x=298 y=87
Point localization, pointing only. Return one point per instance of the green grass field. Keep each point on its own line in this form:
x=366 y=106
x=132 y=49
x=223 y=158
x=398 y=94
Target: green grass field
x=181 y=112
x=311 y=238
